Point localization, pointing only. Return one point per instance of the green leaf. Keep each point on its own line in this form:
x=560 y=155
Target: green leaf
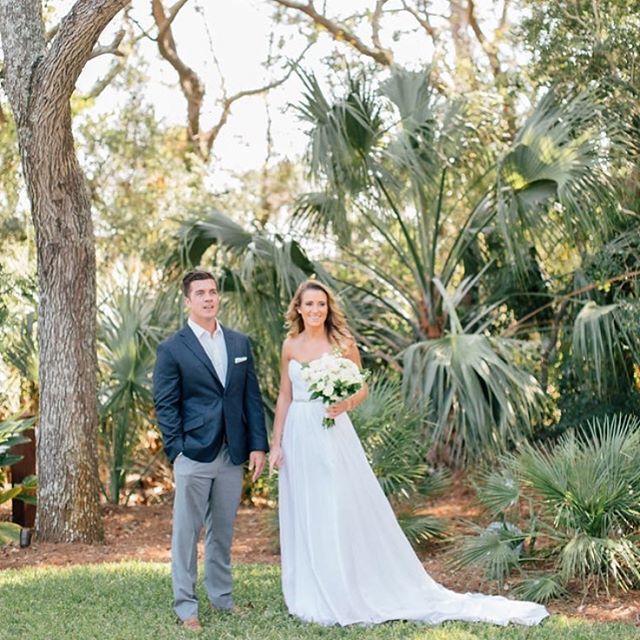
x=5 y=496
x=9 y=532
x=540 y=588
x=479 y=399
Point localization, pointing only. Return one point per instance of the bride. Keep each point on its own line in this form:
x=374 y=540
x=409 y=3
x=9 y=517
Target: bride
x=345 y=559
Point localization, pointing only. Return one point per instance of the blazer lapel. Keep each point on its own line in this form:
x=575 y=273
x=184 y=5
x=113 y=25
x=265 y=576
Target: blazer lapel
x=230 y=343
x=196 y=348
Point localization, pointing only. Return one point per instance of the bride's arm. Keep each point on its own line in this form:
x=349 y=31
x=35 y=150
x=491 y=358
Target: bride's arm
x=350 y=403
x=282 y=406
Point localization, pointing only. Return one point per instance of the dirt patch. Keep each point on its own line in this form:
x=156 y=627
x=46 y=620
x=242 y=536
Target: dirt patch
x=144 y=533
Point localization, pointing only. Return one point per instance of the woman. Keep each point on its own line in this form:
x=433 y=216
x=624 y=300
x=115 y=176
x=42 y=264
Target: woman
x=345 y=559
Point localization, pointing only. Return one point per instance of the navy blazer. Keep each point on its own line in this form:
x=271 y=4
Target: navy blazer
x=195 y=411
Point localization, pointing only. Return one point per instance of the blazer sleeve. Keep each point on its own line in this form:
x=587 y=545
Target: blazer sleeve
x=166 y=397
x=253 y=409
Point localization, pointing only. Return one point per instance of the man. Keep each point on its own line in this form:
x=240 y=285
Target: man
x=209 y=410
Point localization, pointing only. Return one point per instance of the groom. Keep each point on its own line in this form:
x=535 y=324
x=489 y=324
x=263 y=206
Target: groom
x=209 y=410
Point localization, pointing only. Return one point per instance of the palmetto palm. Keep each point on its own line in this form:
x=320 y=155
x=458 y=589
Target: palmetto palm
x=10 y=435
x=390 y=431
x=606 y=330
x=583 y=499
x=418 y=191
x=132 y=321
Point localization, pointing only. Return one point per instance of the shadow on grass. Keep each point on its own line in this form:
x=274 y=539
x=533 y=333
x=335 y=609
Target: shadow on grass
x=132 y=601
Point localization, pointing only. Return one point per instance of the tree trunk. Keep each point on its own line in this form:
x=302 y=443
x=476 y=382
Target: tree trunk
x=39 y=82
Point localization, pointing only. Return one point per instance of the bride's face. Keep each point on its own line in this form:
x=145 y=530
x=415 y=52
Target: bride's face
x=314 y=307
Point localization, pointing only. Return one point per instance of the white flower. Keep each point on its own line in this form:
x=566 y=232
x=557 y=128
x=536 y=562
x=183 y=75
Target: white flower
x=332 y=378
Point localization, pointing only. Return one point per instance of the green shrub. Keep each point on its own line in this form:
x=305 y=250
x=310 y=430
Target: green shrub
x=581 y=498
x=10 y=435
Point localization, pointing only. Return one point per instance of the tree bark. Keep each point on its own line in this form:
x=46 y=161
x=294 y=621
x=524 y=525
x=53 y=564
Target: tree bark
x=39 y=81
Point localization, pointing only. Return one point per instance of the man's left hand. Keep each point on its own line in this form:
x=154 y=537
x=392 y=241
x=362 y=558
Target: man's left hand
x=256 y=463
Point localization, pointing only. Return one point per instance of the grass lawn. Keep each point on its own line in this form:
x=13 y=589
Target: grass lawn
x=132 y=601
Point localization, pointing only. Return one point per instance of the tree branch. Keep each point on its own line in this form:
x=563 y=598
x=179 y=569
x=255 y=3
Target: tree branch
x=208 y=138
x=423 y=22
x=115 y=69
x=171 y=16
x=339 y=32
x=513 y=328
x=488 y=47
x=375 y=24
x=190 y=83
x=503 y=18
x=72 y=45
x=113 y=48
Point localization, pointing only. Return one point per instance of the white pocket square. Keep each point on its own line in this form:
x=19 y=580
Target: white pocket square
x=239 y=359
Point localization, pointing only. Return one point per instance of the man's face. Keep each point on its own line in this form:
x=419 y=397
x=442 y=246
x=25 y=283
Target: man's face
x=203 y=301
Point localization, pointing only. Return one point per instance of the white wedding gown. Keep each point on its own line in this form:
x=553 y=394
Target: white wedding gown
x=345 y=559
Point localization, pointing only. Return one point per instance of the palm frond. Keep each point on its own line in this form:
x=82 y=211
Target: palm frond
x=131 y=324
x=496 y=550
x=540 y=588
x=558 y=156
x=421 y=528
x=344 y=132
x=415 y=149
x=600 y=344
x=9 y=532
x=479 y=399
x=601 y=561
x=499 y=490
x=22 y=350
x=590 y=483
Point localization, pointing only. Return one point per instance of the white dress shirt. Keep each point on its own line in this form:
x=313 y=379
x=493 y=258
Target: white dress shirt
x=214 y=346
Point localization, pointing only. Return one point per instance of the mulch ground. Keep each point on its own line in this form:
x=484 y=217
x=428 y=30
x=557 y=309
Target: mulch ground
x=144 y=533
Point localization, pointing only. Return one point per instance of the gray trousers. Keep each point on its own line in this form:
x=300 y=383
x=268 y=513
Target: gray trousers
x=207 y=494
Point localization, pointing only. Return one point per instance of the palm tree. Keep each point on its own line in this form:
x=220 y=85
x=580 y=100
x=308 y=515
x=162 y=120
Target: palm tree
x=430 y=207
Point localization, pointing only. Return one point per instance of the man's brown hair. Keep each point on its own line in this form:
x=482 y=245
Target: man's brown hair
x=192 y=276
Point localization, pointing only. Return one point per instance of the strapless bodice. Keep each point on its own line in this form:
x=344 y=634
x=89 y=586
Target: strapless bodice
x=299 y=389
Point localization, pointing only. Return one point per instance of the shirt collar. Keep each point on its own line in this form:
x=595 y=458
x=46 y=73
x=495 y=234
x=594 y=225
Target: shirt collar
x=200 y=331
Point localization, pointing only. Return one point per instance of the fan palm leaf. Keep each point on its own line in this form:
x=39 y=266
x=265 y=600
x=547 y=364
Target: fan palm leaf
x=602 y=344
x=480 y=400
x=131 y=324
x=258 y=272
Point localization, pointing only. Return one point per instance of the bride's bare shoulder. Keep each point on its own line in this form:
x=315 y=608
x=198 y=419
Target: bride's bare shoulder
x=289 y=347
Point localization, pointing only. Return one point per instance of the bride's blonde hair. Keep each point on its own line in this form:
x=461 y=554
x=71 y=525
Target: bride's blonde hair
x=335 y=324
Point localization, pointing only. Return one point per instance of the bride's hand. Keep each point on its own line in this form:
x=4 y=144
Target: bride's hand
x=276 y=458
x=334 y=410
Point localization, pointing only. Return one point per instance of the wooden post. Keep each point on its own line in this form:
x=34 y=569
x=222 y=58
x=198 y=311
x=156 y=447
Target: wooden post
x=22 y=513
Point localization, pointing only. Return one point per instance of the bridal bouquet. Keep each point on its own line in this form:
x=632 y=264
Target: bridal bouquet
x=332 y=378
